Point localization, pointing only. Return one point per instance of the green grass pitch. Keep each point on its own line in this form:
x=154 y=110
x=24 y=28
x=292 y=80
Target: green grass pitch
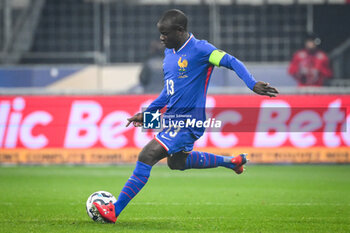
x=264 y=199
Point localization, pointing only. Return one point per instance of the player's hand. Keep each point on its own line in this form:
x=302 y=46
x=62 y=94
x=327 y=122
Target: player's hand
x=263 y=88
x=137 y=120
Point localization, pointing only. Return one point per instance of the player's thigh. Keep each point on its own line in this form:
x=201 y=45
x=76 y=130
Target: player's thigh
x=152 y=153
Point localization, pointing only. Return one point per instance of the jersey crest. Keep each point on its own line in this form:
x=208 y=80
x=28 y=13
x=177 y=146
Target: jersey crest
x=182 y=63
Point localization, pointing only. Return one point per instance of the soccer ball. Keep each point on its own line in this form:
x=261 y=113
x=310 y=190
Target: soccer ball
x=101 y=197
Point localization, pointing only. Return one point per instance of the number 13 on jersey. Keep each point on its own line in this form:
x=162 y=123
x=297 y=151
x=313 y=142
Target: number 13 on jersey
x=170 y=87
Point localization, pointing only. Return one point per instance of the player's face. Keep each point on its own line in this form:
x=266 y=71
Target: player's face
x=169 y=35
x=310 y=45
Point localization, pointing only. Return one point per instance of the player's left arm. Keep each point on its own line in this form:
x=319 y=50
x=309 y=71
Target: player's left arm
x=220 y=58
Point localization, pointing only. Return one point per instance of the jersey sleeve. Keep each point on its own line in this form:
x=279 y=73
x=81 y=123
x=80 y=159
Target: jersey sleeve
x=205 y=50
x=220 y=58
x=158 y=103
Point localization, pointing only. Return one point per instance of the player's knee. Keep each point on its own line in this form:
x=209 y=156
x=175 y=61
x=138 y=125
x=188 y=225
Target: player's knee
x=171 y=165
x=176 y=165
x=145 y=158
x=148 y=156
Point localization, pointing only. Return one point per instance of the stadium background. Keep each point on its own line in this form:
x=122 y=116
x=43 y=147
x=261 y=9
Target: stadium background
x=69 y=77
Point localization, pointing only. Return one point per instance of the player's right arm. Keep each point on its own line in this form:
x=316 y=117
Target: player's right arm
x=157 y=104
x=160 y=102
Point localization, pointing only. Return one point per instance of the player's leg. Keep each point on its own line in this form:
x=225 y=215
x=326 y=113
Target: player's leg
x=201 y=160
x=150 y=155
x=178 y=141
x=177 y=161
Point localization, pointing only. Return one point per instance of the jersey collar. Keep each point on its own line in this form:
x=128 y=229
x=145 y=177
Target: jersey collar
x=183 y=46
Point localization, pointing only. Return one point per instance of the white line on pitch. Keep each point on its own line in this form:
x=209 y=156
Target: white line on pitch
x=233 y=204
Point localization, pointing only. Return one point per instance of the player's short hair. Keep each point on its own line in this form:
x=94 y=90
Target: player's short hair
x=175 y=17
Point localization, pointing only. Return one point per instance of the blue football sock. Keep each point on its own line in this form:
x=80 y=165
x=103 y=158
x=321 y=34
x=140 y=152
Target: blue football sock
x=134 y=184
x=200 y=160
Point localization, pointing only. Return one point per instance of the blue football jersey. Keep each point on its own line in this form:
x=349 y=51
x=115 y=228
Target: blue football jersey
x=187 y=73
